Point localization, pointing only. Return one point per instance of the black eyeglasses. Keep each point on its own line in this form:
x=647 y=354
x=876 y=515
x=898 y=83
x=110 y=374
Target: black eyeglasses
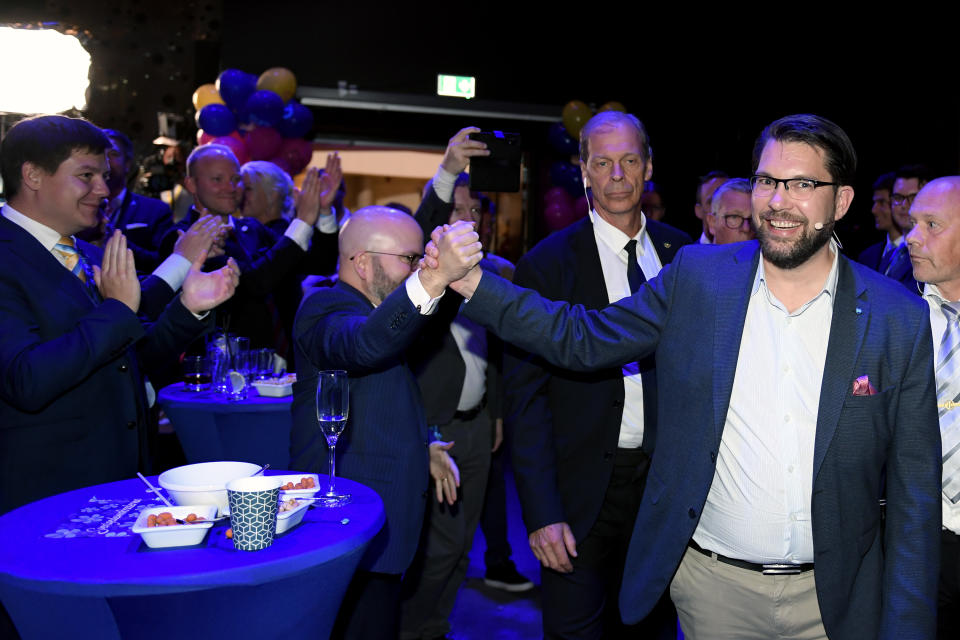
x=799 y=188
x=899 y=199
x=411 y=259
x=733 y=221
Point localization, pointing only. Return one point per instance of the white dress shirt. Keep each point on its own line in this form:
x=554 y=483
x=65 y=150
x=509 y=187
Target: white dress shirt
x=758 y=508
x=938 y=326
x=613 y=262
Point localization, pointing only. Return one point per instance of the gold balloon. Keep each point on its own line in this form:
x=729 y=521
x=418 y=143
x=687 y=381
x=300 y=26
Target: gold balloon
x=613 y=105
x=575 y=115
x=279 y=80
x=206 y=94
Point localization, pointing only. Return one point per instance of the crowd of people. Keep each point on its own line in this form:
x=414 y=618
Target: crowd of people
x=750 y=432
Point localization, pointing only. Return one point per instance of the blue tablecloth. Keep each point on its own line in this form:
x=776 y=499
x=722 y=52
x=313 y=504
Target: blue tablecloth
x=117 y=587
x=210 y=427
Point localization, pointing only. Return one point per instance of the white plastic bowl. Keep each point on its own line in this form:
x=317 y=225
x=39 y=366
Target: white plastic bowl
x=287 y=520
x=175 y=535
x=286 y=494
x=205 y=482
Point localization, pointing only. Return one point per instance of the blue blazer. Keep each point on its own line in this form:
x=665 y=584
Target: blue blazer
x=384 y=444
x=872 y=581
x=144 y=221
x=72 y=410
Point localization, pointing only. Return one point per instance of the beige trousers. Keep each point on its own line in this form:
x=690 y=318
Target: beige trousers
x=717 y=601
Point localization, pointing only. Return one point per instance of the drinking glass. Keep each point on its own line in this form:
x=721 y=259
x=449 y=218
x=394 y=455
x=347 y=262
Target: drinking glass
x=196 y=373
x=333 y=401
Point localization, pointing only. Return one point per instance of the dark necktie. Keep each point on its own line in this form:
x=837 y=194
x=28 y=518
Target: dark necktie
x=897 y=257
x=634 y=274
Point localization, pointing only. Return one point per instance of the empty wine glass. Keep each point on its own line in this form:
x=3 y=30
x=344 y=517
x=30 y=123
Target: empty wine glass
x=333 y=401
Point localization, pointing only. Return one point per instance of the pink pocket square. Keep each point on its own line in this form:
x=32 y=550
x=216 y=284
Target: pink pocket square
x=862 y=387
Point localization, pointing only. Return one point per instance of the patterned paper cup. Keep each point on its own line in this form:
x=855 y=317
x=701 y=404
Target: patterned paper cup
x=253 y=511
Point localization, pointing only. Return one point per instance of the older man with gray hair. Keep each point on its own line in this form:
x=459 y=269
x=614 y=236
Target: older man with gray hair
x=729 y=218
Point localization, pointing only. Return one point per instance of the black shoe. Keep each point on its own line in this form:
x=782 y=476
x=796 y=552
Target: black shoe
x=505 y=576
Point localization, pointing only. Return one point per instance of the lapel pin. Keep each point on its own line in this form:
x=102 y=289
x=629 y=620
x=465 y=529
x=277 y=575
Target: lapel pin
x=243 y=228
x=666 y=245
x=859 y=310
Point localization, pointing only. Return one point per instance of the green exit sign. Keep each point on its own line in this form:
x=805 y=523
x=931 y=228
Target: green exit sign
x=456 y=86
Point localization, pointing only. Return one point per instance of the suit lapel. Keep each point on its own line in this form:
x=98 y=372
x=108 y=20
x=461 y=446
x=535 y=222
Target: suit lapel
x=851 y=314
x=583 y=262
x=127 y=210
x=43 y=265
x=733 y=295
x=666 y=249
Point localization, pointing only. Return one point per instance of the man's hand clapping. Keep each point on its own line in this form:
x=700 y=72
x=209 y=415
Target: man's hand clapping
x=117 y=277
x=204 y=291
x=197 y=240
x=319 y=190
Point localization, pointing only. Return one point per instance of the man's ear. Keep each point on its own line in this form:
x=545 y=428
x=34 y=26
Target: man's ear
x=31 y=176
x=843 y=201
x=361 y=265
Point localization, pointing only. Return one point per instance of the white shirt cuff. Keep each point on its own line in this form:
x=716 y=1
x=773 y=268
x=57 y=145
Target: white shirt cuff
x=419 y=296
x=443 y=183
x=173 y=270
x=327 y=223
x=300 y=232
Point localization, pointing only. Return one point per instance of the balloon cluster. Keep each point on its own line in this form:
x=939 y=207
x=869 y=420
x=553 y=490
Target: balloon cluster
x=256 y=117
x=565 y=201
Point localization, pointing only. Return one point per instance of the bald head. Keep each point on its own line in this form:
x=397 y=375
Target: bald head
x=934 y=240
x=375 y=245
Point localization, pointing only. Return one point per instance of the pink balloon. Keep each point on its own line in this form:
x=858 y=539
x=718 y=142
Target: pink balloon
x=580 y=207
x=557 y=215
x=281 y=162
x=203 y=137
x=239 y=149
x=263 y=143
x=297 y=153
x=557 y=194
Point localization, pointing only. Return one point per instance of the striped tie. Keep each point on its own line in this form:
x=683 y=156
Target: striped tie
x=66 y=249
x=948 y=395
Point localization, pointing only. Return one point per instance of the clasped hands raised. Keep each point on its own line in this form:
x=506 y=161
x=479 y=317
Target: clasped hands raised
x=451 y=258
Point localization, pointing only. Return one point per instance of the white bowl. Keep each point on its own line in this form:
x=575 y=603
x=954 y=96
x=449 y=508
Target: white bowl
x=287 y=520
x=272 y=389
x=175 y=535
x=205 y=482
x=298 y=493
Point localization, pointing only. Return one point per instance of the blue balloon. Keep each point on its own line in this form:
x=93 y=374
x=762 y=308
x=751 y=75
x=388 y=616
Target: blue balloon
x=236 y=87
x=297 y=121
x=566 y=175
x=217 y=120
x=561 y=140
x=266 y=108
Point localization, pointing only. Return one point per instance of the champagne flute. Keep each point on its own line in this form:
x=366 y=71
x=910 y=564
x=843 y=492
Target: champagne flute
x=333 y=400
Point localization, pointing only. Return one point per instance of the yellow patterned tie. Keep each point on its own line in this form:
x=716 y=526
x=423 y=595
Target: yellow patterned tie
x=66 y=248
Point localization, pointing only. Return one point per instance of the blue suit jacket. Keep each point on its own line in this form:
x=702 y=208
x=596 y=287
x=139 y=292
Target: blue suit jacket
x=144 y=221
x=869 y=585
x=72 y=410
x=384 y=444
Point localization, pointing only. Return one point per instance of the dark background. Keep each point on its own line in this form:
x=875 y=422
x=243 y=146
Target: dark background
x=704 y=81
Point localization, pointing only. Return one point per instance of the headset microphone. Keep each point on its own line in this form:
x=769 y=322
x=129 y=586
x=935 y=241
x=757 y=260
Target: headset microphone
x=818 y=226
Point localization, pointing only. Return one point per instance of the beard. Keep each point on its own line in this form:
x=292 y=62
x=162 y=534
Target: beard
x=791 y=254
x=381 y=285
